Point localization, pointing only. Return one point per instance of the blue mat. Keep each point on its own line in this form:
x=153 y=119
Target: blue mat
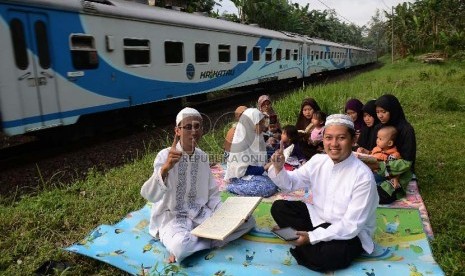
x=402 y=248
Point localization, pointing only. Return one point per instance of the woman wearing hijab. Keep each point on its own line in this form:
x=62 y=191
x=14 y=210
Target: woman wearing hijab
x=367 y=138
x=247 y=159
x=354 y=108
x=390 y=113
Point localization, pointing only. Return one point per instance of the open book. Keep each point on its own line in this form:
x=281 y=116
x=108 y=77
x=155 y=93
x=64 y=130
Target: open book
x=227 y=218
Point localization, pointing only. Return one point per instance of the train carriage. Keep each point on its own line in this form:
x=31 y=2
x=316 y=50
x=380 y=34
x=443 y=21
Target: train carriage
x=62 y=60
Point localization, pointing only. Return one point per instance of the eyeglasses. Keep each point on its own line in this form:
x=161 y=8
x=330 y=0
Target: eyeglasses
x=191 y=127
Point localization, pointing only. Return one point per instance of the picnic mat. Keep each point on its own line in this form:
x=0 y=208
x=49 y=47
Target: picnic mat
x=402 y=247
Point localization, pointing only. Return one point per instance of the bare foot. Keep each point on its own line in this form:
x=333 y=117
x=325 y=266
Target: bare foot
x=171 y=259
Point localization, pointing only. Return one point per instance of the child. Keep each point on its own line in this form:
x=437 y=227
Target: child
x=272 y=133
x=318 y=122
x=174 y=198
x=354 y=108
x=392 y=172
x=293 y=152
x=367 y=138
x=307 y=108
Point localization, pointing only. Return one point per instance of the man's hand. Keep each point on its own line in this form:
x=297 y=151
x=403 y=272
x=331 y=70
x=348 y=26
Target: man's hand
x=277 y=159
x=374 y=166
x=302 y=240
x=173 y=157
x=363 y=150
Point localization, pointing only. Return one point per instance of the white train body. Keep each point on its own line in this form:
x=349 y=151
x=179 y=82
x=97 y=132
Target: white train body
x=64 y=59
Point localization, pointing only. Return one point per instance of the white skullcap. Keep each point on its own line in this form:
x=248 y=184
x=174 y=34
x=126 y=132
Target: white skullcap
x=187 y=112
x=339 y=119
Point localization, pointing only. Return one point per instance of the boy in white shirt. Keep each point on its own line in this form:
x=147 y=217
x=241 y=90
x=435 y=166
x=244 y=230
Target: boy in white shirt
x=183 y=192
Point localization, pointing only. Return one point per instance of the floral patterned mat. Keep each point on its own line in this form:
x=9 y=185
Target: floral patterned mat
x=402 y=245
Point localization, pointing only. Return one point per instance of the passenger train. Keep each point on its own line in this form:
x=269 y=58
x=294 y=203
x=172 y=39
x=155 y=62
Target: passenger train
x=63 y=60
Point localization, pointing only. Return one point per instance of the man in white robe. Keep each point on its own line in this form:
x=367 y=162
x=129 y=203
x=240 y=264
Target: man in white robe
x=183 y=192
x=339 y=225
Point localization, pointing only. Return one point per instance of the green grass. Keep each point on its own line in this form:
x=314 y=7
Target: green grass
x=35 y=228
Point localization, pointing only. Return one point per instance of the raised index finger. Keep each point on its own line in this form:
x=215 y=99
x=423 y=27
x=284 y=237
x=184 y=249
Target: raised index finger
x=281 y=147
x=175 y=142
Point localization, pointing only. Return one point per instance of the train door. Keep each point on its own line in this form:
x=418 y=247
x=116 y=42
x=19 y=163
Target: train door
x=35 y=77
x=301 y=61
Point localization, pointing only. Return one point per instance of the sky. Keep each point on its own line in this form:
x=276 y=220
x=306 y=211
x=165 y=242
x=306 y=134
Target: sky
x=358 y=12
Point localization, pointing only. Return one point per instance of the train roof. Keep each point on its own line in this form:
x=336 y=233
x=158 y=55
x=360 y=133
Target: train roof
x=143 y=12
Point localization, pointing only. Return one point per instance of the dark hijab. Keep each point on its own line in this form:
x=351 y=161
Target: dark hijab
x=406 y=142
x=357 y=106
x=367 y=138
x=303 y=122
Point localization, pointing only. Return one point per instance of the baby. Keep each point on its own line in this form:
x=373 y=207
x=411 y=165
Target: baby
x=385 y=150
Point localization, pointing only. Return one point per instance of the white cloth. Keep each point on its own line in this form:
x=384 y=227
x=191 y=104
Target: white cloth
x=185 y=199
x=287 y=151
x=187 y=112
x=248 y=148
x=344 y=194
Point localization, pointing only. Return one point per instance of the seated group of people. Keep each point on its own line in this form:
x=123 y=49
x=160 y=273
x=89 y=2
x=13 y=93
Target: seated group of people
x=380 y=131
x=333 y=230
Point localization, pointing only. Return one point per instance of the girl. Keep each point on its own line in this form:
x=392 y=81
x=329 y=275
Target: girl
x=367 y=138
x=318 y=122
x=293 y=148
x=390 y=113
x=308 y=106
x=354 y=108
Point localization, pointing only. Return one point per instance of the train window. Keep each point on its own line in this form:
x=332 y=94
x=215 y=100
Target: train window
x=321 y=55
x=202 y=52
x=83 y=52
x=224 y=53
x=279 y=53
x=42 y=44
x=241 y=53
x=256 y=53
x=19 y=44
x=174 y=52
x=136 y=51
x=288 y=54
x=296 y=54
x=268 y=54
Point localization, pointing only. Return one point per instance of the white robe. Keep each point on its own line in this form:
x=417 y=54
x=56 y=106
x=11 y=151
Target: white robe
x=344 y=194
x=248 y=147
x=185 y=199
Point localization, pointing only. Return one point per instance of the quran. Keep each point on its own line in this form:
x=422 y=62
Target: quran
x=227 y=218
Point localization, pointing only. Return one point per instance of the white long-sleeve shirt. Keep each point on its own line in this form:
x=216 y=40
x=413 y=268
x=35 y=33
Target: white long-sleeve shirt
x=188 y=195
x=344 y=194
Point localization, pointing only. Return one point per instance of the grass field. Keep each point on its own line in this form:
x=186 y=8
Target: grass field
x=35 y=228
